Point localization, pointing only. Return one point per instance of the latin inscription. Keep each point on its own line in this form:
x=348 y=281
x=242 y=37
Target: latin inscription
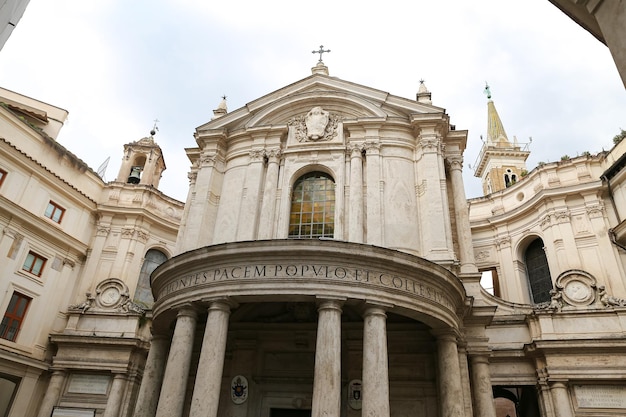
x=89 y=384
x=601 y=396
x=304 y=271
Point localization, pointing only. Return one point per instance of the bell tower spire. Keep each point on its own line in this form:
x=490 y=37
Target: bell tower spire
x=500 y=163
x=143 y=161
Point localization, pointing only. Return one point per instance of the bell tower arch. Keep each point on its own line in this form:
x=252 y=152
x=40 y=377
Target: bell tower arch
x=143 y=162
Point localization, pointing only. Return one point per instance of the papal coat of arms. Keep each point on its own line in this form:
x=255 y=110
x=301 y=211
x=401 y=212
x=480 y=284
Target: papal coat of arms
x=317 y=125
x=354 y=394
x=239 y=389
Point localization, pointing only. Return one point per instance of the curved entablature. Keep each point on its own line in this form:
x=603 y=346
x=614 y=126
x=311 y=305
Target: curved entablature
x=344 y=103
x=307 y=270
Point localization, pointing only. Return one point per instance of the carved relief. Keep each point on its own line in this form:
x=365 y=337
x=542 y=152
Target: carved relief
x=562 y=216
x=455 y=162
x=372 y=147
x=208 y=159
x=257 y=154
x=576 y=289
x=102 y=230
x=595 y=211
x=316 y=126
x=111 y=295
x=502 y=242
x=545 y=222
x=421 y=188
x=482 y=255
x=430 y=143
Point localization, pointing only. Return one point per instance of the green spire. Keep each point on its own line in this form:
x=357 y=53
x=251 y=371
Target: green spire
x=495 y=130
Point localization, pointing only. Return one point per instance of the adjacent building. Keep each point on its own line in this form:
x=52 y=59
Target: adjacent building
x=326 y=263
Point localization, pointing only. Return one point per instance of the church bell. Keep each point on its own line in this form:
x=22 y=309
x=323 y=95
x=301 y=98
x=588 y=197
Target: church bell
x=135 y=175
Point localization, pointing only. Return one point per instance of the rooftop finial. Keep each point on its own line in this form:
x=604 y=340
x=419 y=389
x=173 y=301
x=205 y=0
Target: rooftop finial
x=321 y=51
x=222 y=108
x=154 y=128
x=487 y=91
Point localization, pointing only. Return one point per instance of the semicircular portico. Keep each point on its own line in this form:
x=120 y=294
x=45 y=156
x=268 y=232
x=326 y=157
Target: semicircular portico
x=306 y=270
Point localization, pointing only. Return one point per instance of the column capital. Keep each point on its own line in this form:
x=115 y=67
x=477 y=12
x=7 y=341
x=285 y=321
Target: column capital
x=479 y=358
x=221 y=304
x=354 y=150
x=455 y=162
x=187 y=310
x=450 y=335
x=330 y=303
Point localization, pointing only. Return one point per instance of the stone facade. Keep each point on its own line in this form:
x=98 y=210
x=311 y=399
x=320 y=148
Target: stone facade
x=326 y=263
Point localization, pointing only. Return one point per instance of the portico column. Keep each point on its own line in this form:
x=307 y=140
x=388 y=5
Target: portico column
x=450 y=389
x=266 y=225
x=206 y=393
x=356 y=194
x=466 y=254
x=481 y=387
x=172 y=396
x=375 y=363
x=52 y=393
x=560 y=397
x=327 y=381
x=148 y=397
x=115 y=396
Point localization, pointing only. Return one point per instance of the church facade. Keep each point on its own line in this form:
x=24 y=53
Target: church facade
x=326 y=263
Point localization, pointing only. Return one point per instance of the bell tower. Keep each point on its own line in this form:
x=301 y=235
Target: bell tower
x=500 y=163
x=143 y=162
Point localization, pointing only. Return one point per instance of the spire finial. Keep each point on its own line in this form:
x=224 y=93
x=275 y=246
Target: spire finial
x=321 y=51
x=487 y=91
x=154 y=128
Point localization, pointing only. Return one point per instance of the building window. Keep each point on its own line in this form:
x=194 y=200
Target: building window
x=54 y=212
x=3 y=175
x=313 y=207
x=14 y=316
x=538 y=271
x=509 y=178
x=34 y=263
x=143 y=294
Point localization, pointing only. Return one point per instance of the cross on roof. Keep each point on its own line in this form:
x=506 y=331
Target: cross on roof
x=321 y=51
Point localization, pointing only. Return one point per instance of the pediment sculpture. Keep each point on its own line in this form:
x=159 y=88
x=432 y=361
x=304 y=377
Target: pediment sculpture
x=318 y=125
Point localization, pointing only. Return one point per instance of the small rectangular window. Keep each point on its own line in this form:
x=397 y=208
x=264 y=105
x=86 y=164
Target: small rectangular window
x=54 y=212
x=3 y=175
x=34 y=263
x=14 y=316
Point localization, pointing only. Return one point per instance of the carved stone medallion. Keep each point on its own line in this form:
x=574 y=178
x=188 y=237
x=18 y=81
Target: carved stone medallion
x=316 y=126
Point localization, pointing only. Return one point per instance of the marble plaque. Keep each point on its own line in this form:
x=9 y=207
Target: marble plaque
x=89 y=384
x=601 y=396
x=73 y=412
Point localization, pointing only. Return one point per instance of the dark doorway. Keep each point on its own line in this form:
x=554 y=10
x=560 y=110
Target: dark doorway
x=289 y=412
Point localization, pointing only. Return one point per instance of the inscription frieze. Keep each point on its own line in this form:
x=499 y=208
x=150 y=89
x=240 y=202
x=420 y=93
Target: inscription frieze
x=601 y=396
x=337 y=273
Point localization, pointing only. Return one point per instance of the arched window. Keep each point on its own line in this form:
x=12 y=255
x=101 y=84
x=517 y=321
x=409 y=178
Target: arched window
x=538 y=271
x=312 y=206
x=143 y=294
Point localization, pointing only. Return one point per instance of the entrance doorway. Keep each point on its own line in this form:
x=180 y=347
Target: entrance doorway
x=289 y=412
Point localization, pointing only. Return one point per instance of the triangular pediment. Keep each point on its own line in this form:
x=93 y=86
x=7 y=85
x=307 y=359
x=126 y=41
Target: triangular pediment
x=347 y=99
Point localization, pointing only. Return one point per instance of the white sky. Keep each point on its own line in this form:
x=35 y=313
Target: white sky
x=118 y=65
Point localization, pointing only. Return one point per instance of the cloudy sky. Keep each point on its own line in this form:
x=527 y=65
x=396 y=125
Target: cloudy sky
x=118 y=65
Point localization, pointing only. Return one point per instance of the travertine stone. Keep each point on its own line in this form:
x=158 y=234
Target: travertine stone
x=148 y=397
x=481 y=387
x=52 y=394
x=327 y=379
x=115 y=396
x=375 y=363
x=206 y=393
x=561 y=400
x=171 y=400
x=450 y=388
